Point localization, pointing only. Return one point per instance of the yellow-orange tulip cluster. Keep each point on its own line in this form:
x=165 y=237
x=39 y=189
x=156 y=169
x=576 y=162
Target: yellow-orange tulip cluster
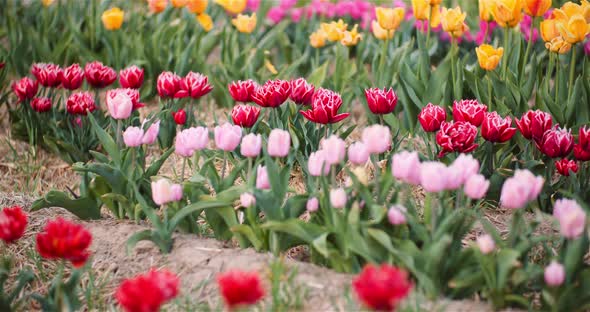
x=335 y=32
x=567 y=25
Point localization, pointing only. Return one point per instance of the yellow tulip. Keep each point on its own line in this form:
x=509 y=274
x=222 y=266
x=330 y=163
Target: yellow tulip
x=112 y=19
x=573 y=30
x=548 y=30
x=381 y=33
x=507 y=13
x=488 y=57
x=536 y=7
x=558 y=45
x=351 y=38
x=178 y=3
x=244 y=23
x=434 y=2
x=334 y=30
x=233 y=6
x=420 y=9
x=390 y=19
x=453 y=21
x=317 y=39
x=205 y=21
x=197 y=6
x=485 y=13
x=570 y=9
x=157 y=6
x=47 y=3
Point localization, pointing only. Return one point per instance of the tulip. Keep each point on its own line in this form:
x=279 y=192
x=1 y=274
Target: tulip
x=571 y=217
x=193 y=85
x=119 y=104
x=486 y=244
x=470 y=111
x=73 y=77
x=157 y=6
x=396 y=215
x=233 y=6
x=190 y=140
x=168 y=84
x=453 y=21
x=358 y=153
x=377 y=139
x=380 y=33
x=178 y=3
x=533 y=124
x=245 y=115
x=197 y=6
x=151 y=134
x=466 y=165
x=205 y=21
x=381 y=101
x=133 y=95
x=476 y=186
x=456 y=137
x=25 y=89
x=549 y=30
x=247 y=200
x=182 y=144
x=317 y=39
x=179 y=117
x=112 y=19
x=279 y=142
x=556 y=142
x=389 y=19
x=164 y=191
x=80 y=103
x=485 y=7
x=147 y=292
x=242 y=91
x=301 y=91
x=41 y=105
x=424 y=11
x=13 y=222
x=324 y=107
x=382 y=288
x=558 y=45
x=244 y=23
x=272 y=94
x=507 y=13
x=336 y=147
x=133 y=136
x=572 y=22
x=312 y=204
x=47 y=3
x=317 y=165
x=433 y=176
x=520 y=189
x=251 y=145
x=262 y=181
x=580 y=153
x=239 y=288
x=334 y=31
x=338 y=198
x=131 y=77
x=565 y=165
x=351 y=38
x=65 y=240
x=406 y=167
x=496 y=128
x=488 y=57
x=49 y=75
x=584 y=136
x=554 y=274
x=431 y=117
x=536 y=7
x=99 y=75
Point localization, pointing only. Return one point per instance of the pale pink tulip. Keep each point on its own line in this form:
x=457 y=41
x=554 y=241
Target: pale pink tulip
x=119 y=104
x=397 y=215
x=433 y=176
x=358 y=154
x=338 y=198
x=485 y=243
x=476 y=186
x=571 y=217
x=279 y=142
x=377 y=139
x=317 y=164
x=336 y=147
x=251 y=145
x=227 y=137
x=133 y=136
x=406 y=167
x=247 y=200
x=312 y=204
x=262 y=178
x=554 y=274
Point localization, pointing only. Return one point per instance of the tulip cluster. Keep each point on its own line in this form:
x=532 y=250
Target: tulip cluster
x=193 y=85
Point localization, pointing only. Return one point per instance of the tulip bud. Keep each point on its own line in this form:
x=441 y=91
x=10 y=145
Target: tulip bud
x=533 y=124
x=317 y=164
x=431 y=117
x=377 y=139
x=381 y=101
x=469 y=111
x=131 y=77
x=242 y=91
x=99 y=75
x=151 y=134
x=112 y=19
x=80 y=103
x=245 y=115
x=554 y=274
x=496 y=128
x=164 y=191
x=565 y=165
x=456 y=137
x=49 y=75
x=41 y=105
x=133 y=136
x=336 y=147
x=193 y=85
x=247 y=200
x=476 y=186
x=358 y=153
x=301 y=91
x=396 y=215
x=25 y=89
x=453 y=21
x=244 y=23
x=262 y=181
x=227 y=137
x=556 y=142
x=251 y=145
x=338 y=198
x=73 y=77
x=486 y=244
x=179 y=117
x=272 y=94
x=571 y=217
x=433 y=176
x=168 y=84
x=119 y=104
x=488 y=57
x=520 y=189
x=312 y=204
x=279 y=142
x=324 y=107
x=406 y=167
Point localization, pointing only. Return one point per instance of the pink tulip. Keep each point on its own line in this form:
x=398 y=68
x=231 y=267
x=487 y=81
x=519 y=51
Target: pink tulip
x=466 y=165
x=190 y=140
x=476 y=186
x=433 y=176
x=164 y=191
x=262 y=178
x=358 y=154
x=251 y=145
x=396 y=215
x=312 y=204
x=133 y=136
x=520 y=189
x=336 y=147
x=317 y=164
x=406 y=167
x=377 y=138
x=119 y=104
x=338 y=198
x=279 y=142
x=151 y=134
x=485 y=243
x=227 y=137
x=247 y=200
x=175 y=192
x=554 y=274
x=571 y=217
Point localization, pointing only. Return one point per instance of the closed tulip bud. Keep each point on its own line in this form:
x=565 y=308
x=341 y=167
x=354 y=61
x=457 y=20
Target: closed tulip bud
x=565 y=165
x=456 y=137
x=157 y=6
x=397 y=215
x=179 y=117
x=49 y=75
x=470 y=111
x=421 y=9
x=431 y=117
x=245 y=115
x=488 y=57
x=99 y=75
x=301 y=91
x=536 y=7
x=324 y=107
x=133 y=136
x=244 y=23
x=406 y=167
x=80 y=103
x=247 y=200
x=389 y=19
x=317 y=164
x=549 y=30
x=233 y=6
x=168 y=84
x=336 y=147
x=112 y=19
x=279 y=143
x=182 y=144
x=164 y=191
x=433 y=176
x=507 y=13
x=554 y=274
x=533 y=124
x=262 y=181
x=73 y=77
x=242 y=90
x=358 y=153
x=197 y=6
x=317 y=39
x=338 y=198
x=190 y=140
x=486 y=243
x=131 y=77
x=496 y=128
x=558 y=45
x=119 y=104
x=25 y=89
x=557 y=142
x=380 y=33
x=41 y=105
x=205 y=21
x=151 y=134
x=251 y=145
x=312 y=204
x=581 y=153
x=571 y=217
x=453 y=21
x=381 y=101
x=520 y=189
x=193 y=85
x=476 y=186
x=377 y=139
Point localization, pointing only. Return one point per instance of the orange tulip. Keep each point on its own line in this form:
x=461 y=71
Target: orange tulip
x=558 y=45
x=381 y=33
x=422 y=9
x=389 y=19
x=205 y=21
x=112 y=19
x=317 y=39
x=507 y=13
x=233 y=6
x=197 y=6
x=453 y=21
x=572 y=21
x=488 y=57
x=485 y=7
x=157 y=6
x=244 y=23
x=351 y=38
x=178 y=3
x=334 y=30
x=536 y=7
x=549 y=30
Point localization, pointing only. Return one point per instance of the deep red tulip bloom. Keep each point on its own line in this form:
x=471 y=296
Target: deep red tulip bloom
x=533 y=124
x=131 y=77
x=272 y=94
x=557 y=142
x=381 y=101
x=457 y=137
x=80 y=102
x=49 y=75
x=431 y=117
x=99 y=75
x=168 y=84
x=301 y=91
x=242 y=90
x=470 y=111
x=497 y=129
x=245 y=115
x=41 y=105
x=73 y=77
x=382 y=288
x=63 y=239
x=25 y=89
x=239 y=288
x=584 y=137
x=324 y=107
x=581 y=153
x=565 y=165
x=147 y=292
x=13 y=222
x=193 y=85
x=179 y=117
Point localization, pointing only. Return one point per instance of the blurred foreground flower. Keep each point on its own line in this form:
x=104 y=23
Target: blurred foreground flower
x=233 y=6
x=13 y=222
x=239 y=288
x=147 y=292
x=63 y=239
x=382 y=288
x=244 y=23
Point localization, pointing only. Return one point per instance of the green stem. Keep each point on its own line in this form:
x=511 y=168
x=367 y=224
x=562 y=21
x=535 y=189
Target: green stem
x=375 y=162
x=453 y=44
x=489 y=91
x=485 y=33
x=572 y=72
x=507 y=54
x=528 y=47
x=224 y=167
x=118 y=134
x=549 y=71
x=428 y=31
x=556 y=80
x=381 y=68
x=183 y=168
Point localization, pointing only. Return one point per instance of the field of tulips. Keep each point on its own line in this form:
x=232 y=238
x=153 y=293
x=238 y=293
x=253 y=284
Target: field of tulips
x=414 y=151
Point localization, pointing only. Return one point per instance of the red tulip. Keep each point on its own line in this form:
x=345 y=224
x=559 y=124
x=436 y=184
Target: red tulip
x=245 y=115
x=456 y=136
x=382 y=288
x=2 y=64
x=48 y=74
x=533 y=124
x=470 y=111
x=272 y=94
x=179 y=117
x=556 y=143
x=73 y=77
x=194 y=85
x=242 y=91
x=147 y=292
x=131 y=77
x=240 y=288
x=497 y=129
x=168 y=84
x=580 y=153
x=25 y=89
x=431 y=117
x=584 y=137
x=99 y=75
x=13 y=222
x=324 y=107
x=63 y=239
x=565 y=165
x=381 y=101
x=301 y=91
x=41 y=105
x=80 y=102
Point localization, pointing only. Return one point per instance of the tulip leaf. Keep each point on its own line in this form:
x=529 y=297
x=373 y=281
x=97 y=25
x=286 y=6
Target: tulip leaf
x=84 y=208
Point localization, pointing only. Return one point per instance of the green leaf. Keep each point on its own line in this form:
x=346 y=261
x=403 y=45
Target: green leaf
x=106 y=141
x=84 y=208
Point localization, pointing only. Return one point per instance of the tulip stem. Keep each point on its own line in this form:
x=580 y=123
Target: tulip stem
x=375 y=162
x=485 y=32
x=489 y=91
x=556 y=81
x=381 y=68
x=528 y=47
x=183 y=169
x=507 y=54
x=118 y=134
x=572 y=72
x=428 y=29
x=224 y=167
x=250 y=180
x=453 y=45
